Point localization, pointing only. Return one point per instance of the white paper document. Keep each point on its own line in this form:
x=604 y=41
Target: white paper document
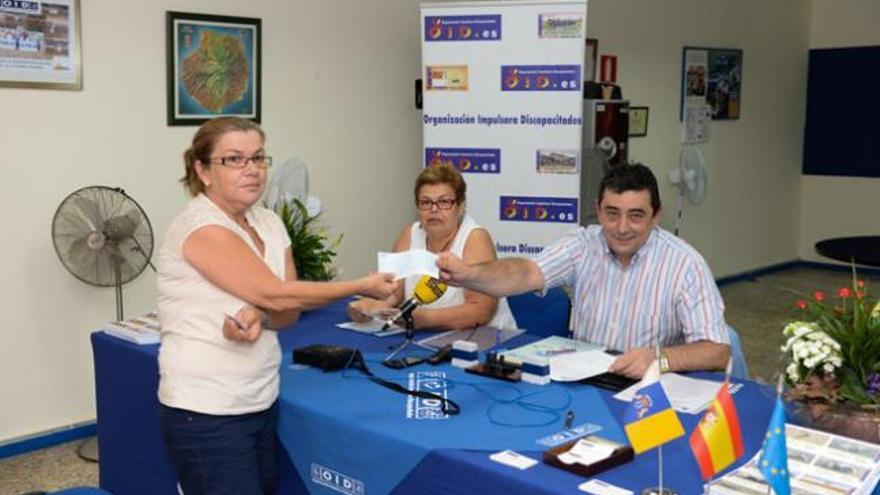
x=513 y=459
x=409 y=263
x=574 y=366
x=686 y=394
x=373 y=327
x=599 y=487
x=586 y=452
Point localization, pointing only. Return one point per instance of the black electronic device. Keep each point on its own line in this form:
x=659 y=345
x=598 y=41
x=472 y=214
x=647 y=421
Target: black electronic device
x=610 y=381
x=324 y=356
x=496 y=367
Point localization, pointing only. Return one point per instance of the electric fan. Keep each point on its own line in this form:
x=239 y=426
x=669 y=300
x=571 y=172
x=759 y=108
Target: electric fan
x=103 y=237
x=288 y=182
x=690 y=178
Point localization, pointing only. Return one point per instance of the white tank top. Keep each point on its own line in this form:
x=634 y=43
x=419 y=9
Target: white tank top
x=454 y=296
x=199 y=369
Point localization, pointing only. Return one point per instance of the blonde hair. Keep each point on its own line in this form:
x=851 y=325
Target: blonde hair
x=203 y=144
x=442 y=174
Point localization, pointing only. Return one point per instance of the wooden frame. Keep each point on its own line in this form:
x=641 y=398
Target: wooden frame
x=40 y=45
x=230 y=84
x=638 y=121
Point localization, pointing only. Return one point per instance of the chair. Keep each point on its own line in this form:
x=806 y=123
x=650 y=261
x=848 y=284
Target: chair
x=542 y=316
x=740 y=368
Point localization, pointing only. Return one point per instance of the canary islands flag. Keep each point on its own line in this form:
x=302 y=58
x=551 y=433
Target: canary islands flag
x=650 y=421
x=774 y=456
x=717 y=440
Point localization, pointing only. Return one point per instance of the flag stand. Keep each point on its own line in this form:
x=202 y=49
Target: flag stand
x=659 y=490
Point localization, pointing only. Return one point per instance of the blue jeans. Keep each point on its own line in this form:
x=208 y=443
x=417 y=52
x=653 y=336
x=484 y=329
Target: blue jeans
x=214 y=455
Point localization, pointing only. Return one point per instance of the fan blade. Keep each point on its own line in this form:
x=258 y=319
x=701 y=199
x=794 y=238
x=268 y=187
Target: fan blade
x=119 y=227
x=88 y=211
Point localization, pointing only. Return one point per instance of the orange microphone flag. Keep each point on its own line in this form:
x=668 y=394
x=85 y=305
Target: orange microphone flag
x=717 y=440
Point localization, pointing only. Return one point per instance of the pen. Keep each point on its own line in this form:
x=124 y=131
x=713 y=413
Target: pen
x=235 y=320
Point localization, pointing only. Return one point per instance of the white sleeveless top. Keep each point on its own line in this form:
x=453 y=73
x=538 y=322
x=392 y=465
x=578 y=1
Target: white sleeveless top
x=199 y=369
x=454 y=296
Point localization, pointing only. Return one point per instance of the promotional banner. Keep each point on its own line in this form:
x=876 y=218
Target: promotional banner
x=502 y=102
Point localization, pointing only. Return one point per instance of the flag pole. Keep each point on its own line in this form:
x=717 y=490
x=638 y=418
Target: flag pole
x=779 y=385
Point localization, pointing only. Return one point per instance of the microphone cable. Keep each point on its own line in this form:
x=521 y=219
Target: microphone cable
x=356 y=361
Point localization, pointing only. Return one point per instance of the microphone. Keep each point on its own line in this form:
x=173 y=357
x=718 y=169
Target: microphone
x=427 y=290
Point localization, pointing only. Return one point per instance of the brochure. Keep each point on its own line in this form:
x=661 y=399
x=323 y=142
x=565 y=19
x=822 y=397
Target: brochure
x=141 y=330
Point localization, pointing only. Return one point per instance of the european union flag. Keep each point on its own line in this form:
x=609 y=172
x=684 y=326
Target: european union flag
x=774 y=456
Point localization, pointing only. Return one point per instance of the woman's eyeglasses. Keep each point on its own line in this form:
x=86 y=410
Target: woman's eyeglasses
x=442 y=203
x=238 y=161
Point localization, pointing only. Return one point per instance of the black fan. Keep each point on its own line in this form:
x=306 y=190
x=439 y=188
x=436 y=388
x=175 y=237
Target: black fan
x=103 y=237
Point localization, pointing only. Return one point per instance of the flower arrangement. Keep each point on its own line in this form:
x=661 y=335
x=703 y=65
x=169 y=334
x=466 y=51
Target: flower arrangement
x=833 y=349
x=313 y=250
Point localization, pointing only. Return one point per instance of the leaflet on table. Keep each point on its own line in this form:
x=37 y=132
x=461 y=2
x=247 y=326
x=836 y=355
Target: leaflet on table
x=372 y=327
x=570 y=360
x=141 y=330
x=686 y=394
x=819 y=463
x=408 y=263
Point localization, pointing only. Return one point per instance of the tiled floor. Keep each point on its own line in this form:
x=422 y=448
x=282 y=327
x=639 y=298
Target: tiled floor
x=757 y=309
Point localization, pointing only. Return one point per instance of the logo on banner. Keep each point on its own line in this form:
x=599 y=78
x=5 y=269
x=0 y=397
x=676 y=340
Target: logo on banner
x=538 y=209
x=427 y=381
x=560 y=26
x=336 y=481
x=463 y=28
x=540 y=78
x=466 y=160
x=557 y=161
x=20 y=6
x=446 y=78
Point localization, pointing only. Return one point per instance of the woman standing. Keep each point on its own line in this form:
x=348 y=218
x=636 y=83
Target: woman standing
x=225 y=277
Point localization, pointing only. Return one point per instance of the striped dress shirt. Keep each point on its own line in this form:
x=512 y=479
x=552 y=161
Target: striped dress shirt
x=667 y=289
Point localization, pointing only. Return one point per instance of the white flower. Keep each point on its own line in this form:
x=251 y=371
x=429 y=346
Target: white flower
x=875 y=313
x=828 y=367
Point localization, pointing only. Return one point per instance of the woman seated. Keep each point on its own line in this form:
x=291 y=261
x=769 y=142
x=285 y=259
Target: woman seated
x=443 y=226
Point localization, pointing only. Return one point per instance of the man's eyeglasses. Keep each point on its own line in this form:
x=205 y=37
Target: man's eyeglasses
x=442 y=203
x=238 y=161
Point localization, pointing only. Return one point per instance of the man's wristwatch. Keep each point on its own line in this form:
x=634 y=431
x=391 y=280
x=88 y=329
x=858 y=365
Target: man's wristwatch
x=664 y=362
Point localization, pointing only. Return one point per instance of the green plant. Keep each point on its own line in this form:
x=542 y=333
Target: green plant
x=313 y=250
x=834 y=348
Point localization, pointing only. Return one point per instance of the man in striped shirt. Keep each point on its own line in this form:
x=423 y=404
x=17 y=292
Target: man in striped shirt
x=634 y=284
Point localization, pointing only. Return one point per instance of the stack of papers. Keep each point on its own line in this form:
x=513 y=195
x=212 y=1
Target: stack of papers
x=141 y=330
x=686 y=394
x=570 y=360
x=372 y=327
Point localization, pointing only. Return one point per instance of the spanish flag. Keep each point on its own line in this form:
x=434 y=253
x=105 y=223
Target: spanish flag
x=717 y=440
x=650 y=421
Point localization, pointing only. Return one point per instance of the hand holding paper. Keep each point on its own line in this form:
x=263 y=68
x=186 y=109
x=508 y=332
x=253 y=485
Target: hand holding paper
x=407 y=263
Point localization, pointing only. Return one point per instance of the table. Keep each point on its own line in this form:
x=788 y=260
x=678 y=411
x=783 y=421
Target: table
x=133 y=459
x=863 y=250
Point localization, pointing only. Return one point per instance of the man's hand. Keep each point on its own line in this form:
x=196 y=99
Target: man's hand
x=379 y=285
x=634 y=362
x=245 y=326
x=453 y=270
x=366 y=309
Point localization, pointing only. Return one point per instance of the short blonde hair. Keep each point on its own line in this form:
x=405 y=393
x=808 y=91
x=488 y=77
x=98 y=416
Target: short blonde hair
x=203 y=144
x=442 y=174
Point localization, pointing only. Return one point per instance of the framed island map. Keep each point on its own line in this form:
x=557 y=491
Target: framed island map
x=214 y=65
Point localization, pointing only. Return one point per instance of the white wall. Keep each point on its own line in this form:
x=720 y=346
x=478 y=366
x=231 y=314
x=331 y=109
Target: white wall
x=750 y=217
x=840 y=206
x=338 y=93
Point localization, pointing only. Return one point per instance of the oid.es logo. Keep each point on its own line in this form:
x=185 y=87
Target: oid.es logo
x=336 y=481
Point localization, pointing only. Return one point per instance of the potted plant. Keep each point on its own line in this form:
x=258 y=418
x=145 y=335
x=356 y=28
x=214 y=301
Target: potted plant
x=313 y=249
x=833 y=353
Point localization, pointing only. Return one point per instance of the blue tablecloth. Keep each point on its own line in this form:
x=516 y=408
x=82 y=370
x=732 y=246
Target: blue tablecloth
x=133 y=460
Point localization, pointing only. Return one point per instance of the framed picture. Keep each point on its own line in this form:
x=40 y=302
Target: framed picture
x=590 y=58
x=40 y=44
x=638 y=121
x=713 y=77
x=214 y=65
